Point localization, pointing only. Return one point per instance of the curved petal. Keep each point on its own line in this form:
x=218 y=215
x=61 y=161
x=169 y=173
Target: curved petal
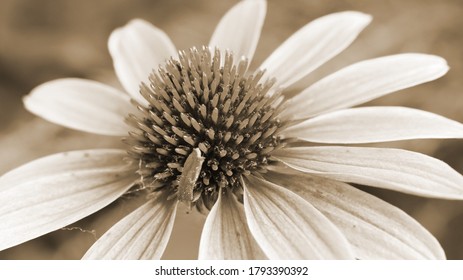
x=287 y=227
x=375 y=124
x=81 y=104
x=143 y=234
x=52 y=192
x=365 y=81
x=239 y=29
x=137 y=48
x=226 y=235
x=313 y=45
x=374 y=228
x=393 y=169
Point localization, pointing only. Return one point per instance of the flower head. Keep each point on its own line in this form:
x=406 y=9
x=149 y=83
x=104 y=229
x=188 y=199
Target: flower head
x=204 y=130
x=206 y=126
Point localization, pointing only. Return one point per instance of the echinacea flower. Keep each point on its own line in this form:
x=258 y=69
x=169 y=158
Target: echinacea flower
x=204 y=130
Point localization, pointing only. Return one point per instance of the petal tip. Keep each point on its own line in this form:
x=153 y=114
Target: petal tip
x=362 y=18
x=439 y=63
x=136 y=21
x=114 y=39
x=26 y=100
x=116 y=35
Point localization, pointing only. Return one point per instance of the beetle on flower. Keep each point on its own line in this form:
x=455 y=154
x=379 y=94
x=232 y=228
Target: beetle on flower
x=203 y=129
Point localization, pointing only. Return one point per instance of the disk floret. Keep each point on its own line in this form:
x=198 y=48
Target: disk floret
x=200 y=102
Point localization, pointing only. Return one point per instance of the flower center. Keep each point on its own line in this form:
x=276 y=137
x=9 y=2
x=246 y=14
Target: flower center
x=206 y=124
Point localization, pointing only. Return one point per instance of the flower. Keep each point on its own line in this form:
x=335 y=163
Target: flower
x=205 y=131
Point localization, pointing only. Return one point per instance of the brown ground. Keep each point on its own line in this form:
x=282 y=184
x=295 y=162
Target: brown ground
x=44 y=40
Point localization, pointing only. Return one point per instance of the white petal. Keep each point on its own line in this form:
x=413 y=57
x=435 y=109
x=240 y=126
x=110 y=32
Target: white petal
x=81 y=104
x=226 y=235
x=52 y=192
x=393 y=169
x=143 y=234
x=365 y=81
x=239 y=29
x=287 y=227
x=137 y=48
x=375 y=124
x=374 y=228
x=313 y=45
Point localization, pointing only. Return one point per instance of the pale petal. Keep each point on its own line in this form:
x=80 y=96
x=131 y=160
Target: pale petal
x=239 y=29
x=365 y=81
x=143 y=234
x=137 y=48
x=375 y=124
x=226 y=235
x=52 y=192
x=374 y=228
x=393 y=169
x=313 y=45
x=287 y=227
x=81 y=104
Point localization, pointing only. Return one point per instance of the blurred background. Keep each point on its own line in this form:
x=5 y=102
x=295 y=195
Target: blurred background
x=41 y=40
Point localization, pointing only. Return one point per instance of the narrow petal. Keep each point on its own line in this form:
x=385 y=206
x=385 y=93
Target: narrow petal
x=239 y=29
x=365 y=81
x=374 y=228
x=81 y=104
x=143 y=234
x=52 y=192
x=393 y=169
x=287 y=227
x=375 y=124
x=137 y=49
x=313 y=45
x=226 y=235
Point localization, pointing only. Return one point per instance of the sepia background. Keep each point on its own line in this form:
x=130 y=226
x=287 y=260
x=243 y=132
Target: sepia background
x=41 y=40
